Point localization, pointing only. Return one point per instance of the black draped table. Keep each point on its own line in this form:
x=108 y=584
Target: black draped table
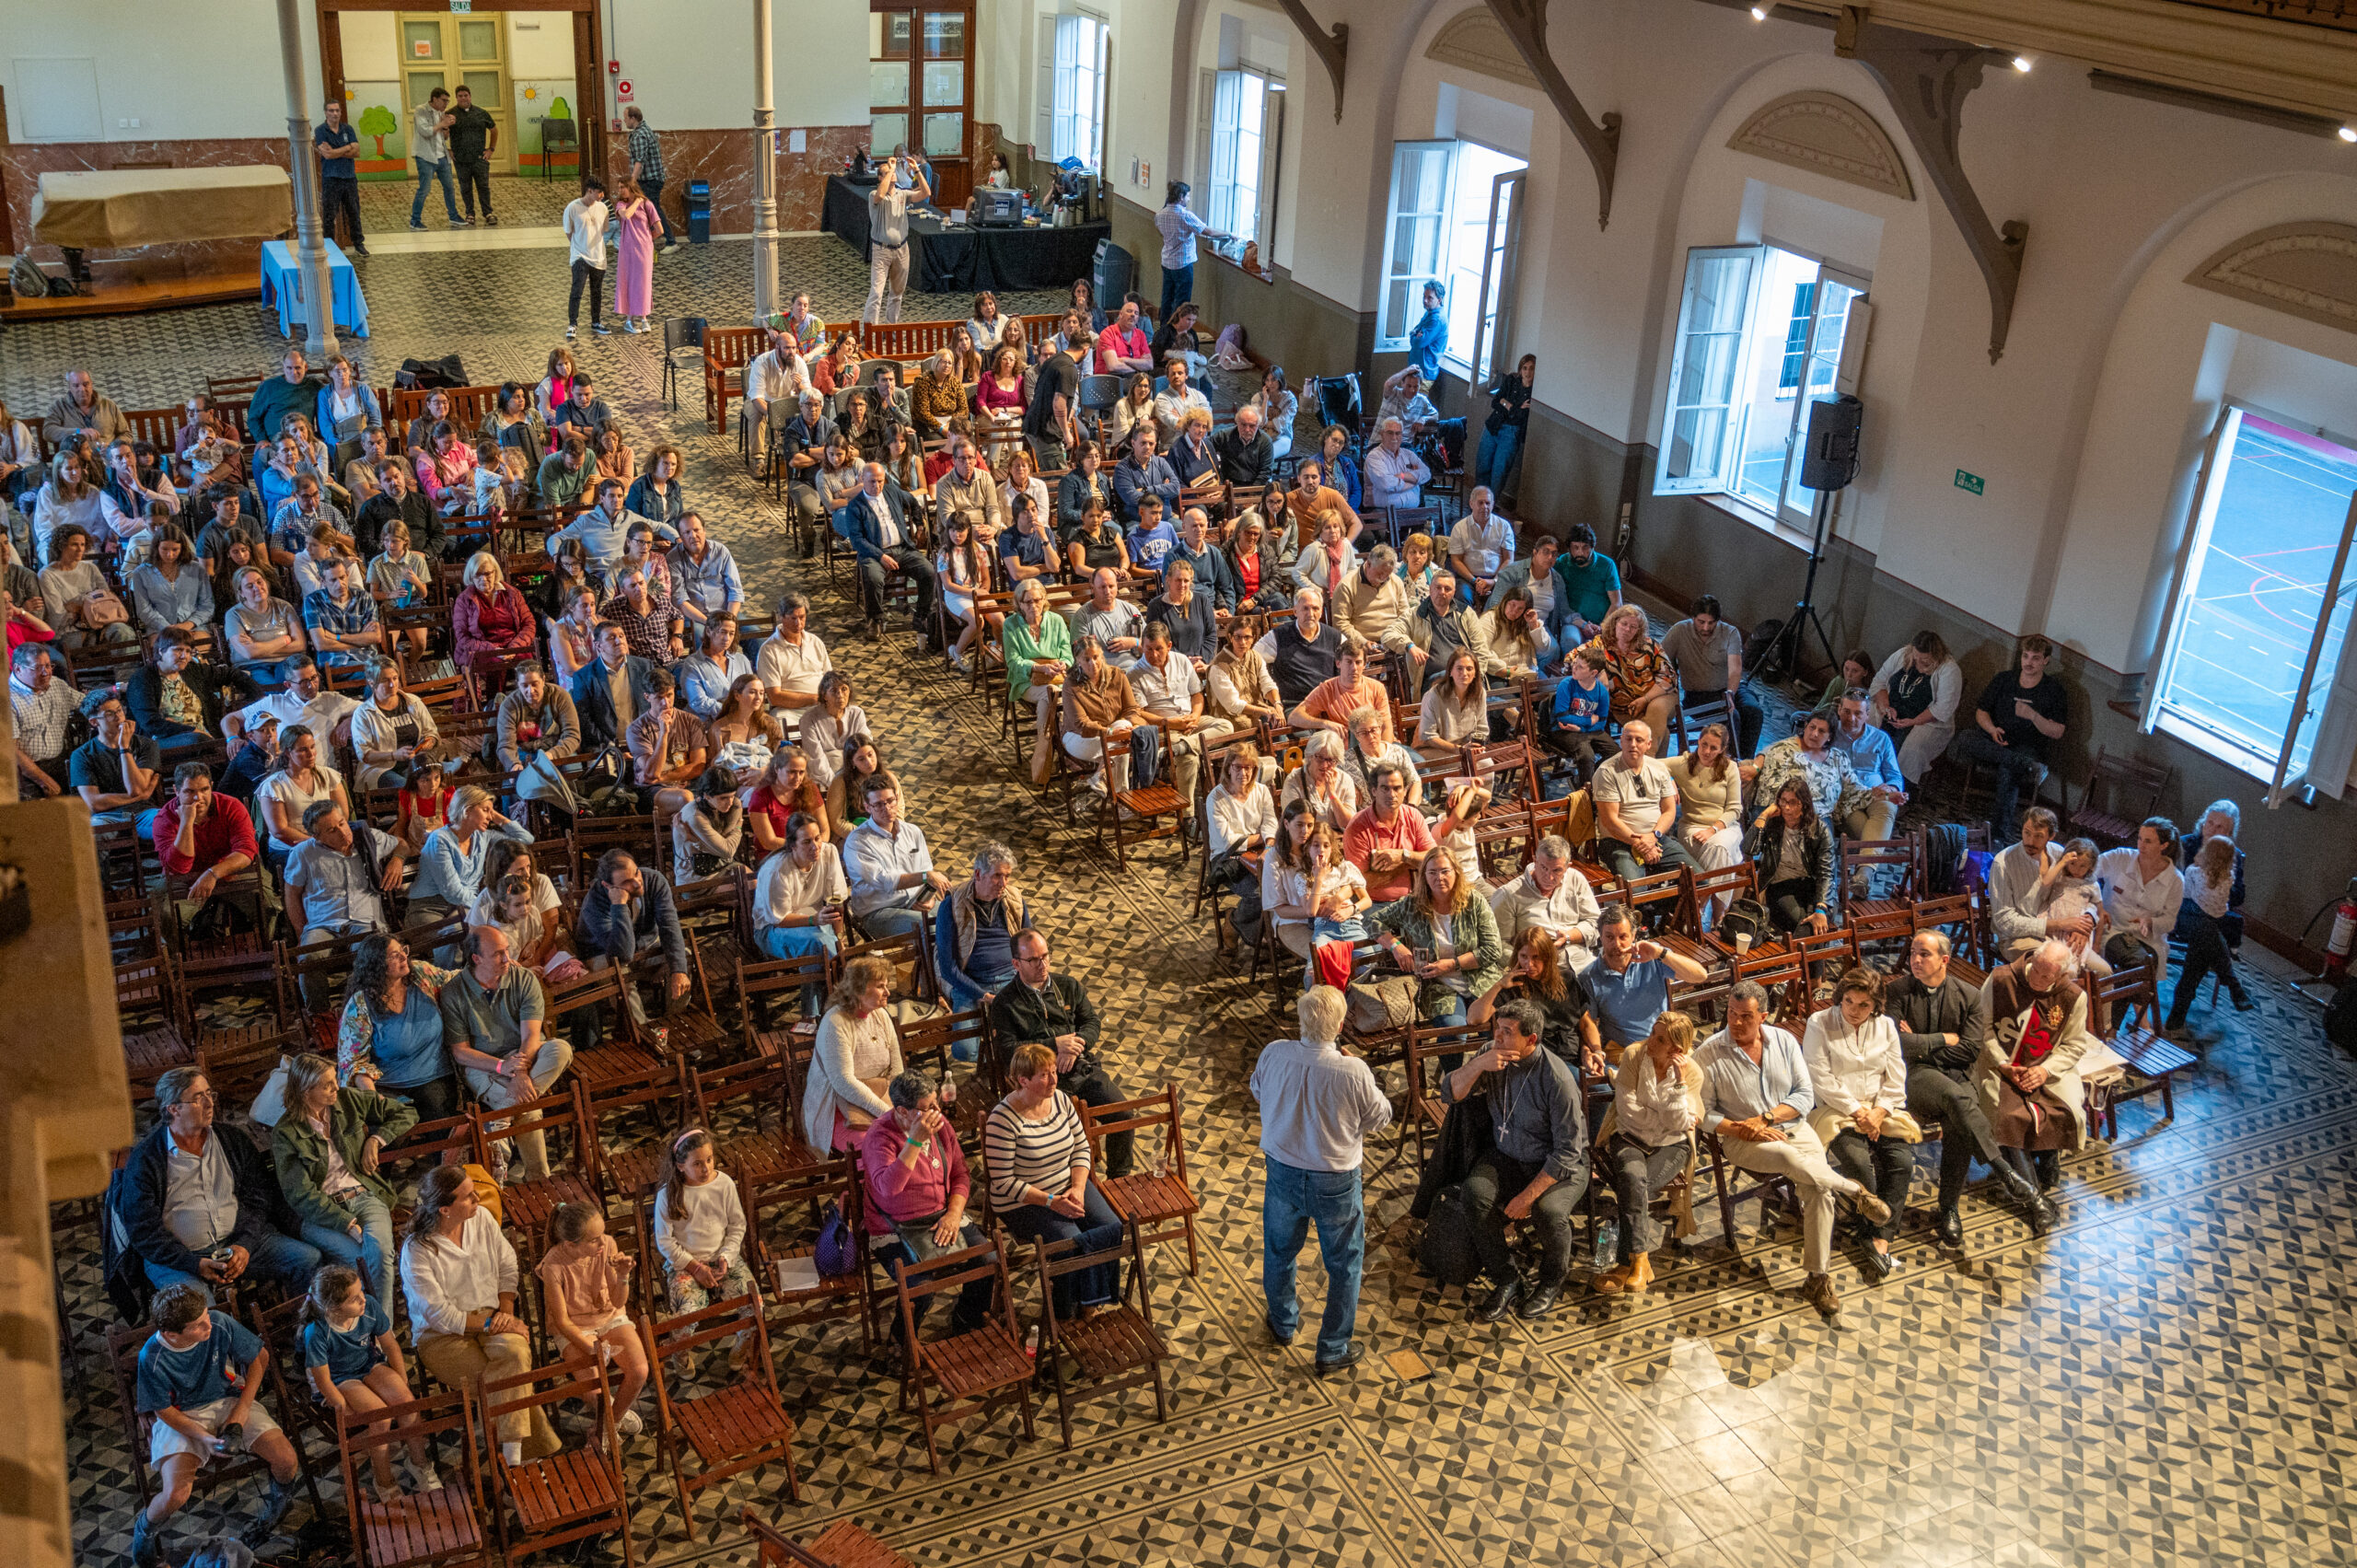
x=943 y=260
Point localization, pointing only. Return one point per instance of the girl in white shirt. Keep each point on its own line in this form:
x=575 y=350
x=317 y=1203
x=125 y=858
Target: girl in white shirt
x=700 y=1228
x=1860 y=1080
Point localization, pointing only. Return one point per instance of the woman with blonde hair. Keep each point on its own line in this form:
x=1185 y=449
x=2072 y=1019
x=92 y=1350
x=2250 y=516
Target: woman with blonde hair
x=300 y=778
x=1445 y=937
x=1656 y=1106
x=393 y=731
x=492 y=626
x=856 y=1057
x=1639 y=672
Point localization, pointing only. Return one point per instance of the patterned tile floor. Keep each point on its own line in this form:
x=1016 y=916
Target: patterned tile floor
x=2166 y=1380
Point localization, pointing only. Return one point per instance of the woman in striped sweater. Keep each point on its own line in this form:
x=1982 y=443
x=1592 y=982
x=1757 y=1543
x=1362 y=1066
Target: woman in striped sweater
x=1039 y=1171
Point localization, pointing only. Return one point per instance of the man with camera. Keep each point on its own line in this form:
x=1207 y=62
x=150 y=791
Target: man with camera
x=887 y=235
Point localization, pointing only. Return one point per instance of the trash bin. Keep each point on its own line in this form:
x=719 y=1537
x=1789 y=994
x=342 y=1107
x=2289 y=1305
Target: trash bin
x=700 y=212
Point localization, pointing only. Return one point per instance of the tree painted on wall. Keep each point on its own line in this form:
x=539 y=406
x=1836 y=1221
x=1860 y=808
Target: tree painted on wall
x=377 y=121
x=557 y=110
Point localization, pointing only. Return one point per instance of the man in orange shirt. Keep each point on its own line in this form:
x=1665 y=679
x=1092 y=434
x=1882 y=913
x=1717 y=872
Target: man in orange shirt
x=1332 y=703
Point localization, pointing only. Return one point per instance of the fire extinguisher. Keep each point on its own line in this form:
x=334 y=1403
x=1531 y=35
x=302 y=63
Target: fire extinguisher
x=2344 y=934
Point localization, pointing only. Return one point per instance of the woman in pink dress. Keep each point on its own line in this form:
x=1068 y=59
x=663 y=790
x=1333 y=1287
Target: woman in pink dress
x=634 y=275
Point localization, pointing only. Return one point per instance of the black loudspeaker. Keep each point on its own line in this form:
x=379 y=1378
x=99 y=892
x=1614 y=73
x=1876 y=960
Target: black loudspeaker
x=1115 y=269
x=1830 y=460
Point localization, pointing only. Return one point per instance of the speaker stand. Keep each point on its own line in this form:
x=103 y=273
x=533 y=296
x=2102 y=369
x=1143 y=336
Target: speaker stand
x=1785 y=653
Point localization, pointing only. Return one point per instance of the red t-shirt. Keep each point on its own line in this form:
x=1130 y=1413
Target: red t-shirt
x=226 y=830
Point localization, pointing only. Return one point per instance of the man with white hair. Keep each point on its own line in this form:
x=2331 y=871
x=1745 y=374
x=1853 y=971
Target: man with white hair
x=800 y=444
x=967 y=488
x=1940 y=1036
x=2034 y=1030
x=1393 y=475
x=1301 y=653
x=1756 y=1100
x=1374 y=599
x=1318 y=1107
x=1636 y=803
x=1245 y=454
x=1552 y=895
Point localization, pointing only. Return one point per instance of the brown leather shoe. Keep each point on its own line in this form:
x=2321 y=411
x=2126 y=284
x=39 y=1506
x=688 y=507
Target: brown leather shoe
x=1820 y=1293
x=1623 y=1278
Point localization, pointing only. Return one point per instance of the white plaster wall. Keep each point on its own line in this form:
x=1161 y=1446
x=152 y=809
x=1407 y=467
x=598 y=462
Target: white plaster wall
x=690 y=62
x=168 y=64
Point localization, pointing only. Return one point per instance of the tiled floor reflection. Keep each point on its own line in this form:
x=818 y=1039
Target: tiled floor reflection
x=2167 y=1379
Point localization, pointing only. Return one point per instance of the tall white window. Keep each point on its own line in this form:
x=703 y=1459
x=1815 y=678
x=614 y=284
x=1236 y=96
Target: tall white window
x=1072 y=87
x=1244 y=105
x=1760 y=338
x=1454 y=221
x=2256 y=666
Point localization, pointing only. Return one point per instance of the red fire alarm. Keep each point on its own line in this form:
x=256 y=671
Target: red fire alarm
x=613 y=67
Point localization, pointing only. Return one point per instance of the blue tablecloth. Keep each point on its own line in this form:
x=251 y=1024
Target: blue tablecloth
x=281 y=281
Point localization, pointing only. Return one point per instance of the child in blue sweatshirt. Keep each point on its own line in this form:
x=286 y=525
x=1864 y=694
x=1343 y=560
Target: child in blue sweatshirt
x=1583 y=706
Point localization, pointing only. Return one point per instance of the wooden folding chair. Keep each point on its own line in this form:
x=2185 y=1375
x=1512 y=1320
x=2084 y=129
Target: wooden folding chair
x=450 y=1139
x=693 y=1032
x=420 y=1527
x=1153 y=803
x=749 y=1107
x=932 y=1042
x=2121 y=792
x=844 y=1545
x=527 y=1204
x=952 y=1379
x=911 y=956
x=572 y=1494
x=740 y=1427
x=1736 y=1185
x=1115 y=1348
x=138 y=1427
x=2129 y=999
x=1961 y=917
x=623 y=1056
x=658 y=1097
x=1157 y=1202
x=294 y=1400
x=822 y=1298
x=1859 y=859
x=771 y=991
x=1425 y=1112
x=155 y=1033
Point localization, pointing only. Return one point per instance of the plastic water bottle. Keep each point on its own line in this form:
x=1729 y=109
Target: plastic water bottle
x=1608 y=1246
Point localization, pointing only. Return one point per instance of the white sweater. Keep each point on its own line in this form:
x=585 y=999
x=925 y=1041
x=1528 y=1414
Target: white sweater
x=711 y=1231
x=445 y=1280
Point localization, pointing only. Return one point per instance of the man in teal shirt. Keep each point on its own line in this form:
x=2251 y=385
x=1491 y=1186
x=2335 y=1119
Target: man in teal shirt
x=1591 y=582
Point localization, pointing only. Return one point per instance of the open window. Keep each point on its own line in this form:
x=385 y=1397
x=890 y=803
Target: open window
x=2255 y=666
x=1761 y=336
x=1069 y=92
x=1246 y=132
x=1455 y=219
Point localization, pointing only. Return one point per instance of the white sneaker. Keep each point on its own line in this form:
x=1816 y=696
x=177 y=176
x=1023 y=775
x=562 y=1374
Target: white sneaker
x=569 y=331
x=424 y=1477
x=630 y=1425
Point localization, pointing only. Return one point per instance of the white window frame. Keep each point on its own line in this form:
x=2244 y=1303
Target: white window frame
x=1718 y=476
x=1240 y=168
x=1072 y=93
x=1500 y=266
x=1395 y=268
x=2335 y=745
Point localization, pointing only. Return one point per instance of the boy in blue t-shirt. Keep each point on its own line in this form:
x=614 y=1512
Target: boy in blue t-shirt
x=1582 y=707
x=1154 y=538
x=198 y=1376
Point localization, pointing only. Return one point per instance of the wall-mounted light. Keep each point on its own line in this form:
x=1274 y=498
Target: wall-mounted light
x=2348 y=133
x=2022 y=63
x=1759 y=13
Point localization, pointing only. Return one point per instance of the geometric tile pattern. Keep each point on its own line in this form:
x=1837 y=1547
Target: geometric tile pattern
x=2166 y=1379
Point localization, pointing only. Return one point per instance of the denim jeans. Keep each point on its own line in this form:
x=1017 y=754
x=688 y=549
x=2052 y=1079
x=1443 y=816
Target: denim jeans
x=2014 y=768
x=797 y=941
x=1293 y=1199
x=893 y=919
x=427 y=172
x=1097 y=1229
x=1495 y=457
x=1178 y=288
x=280 y=1257
x=654 y=192
x=371 y=1252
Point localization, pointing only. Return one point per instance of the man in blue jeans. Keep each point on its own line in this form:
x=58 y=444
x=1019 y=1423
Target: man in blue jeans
x=1318 y=1108
x=429 y=145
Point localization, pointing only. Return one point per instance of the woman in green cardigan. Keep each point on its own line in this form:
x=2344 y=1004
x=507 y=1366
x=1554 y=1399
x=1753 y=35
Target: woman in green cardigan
x=326 y=1148
x=1038 y=652
x=1443 y=933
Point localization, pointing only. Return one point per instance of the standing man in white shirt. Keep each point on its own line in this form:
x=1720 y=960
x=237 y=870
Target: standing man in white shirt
x=429 y=145
x=1317 y=1109
x=894 y=888
x=887 y=236
x=1179 y=228
x=585 y=231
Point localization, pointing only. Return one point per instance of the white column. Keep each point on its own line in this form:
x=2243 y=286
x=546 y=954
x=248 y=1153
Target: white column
x=765 y=303
x=311 y=251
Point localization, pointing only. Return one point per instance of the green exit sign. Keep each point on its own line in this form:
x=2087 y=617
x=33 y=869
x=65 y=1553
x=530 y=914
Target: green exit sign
x=1972 y=481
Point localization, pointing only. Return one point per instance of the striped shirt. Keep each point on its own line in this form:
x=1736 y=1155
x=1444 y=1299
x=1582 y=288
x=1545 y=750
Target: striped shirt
x=1032 y=1154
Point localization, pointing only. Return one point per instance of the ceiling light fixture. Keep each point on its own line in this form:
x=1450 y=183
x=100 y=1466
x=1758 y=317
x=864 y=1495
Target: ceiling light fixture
x=2348 y=133
x=2022 y=63
x=1759 y=13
